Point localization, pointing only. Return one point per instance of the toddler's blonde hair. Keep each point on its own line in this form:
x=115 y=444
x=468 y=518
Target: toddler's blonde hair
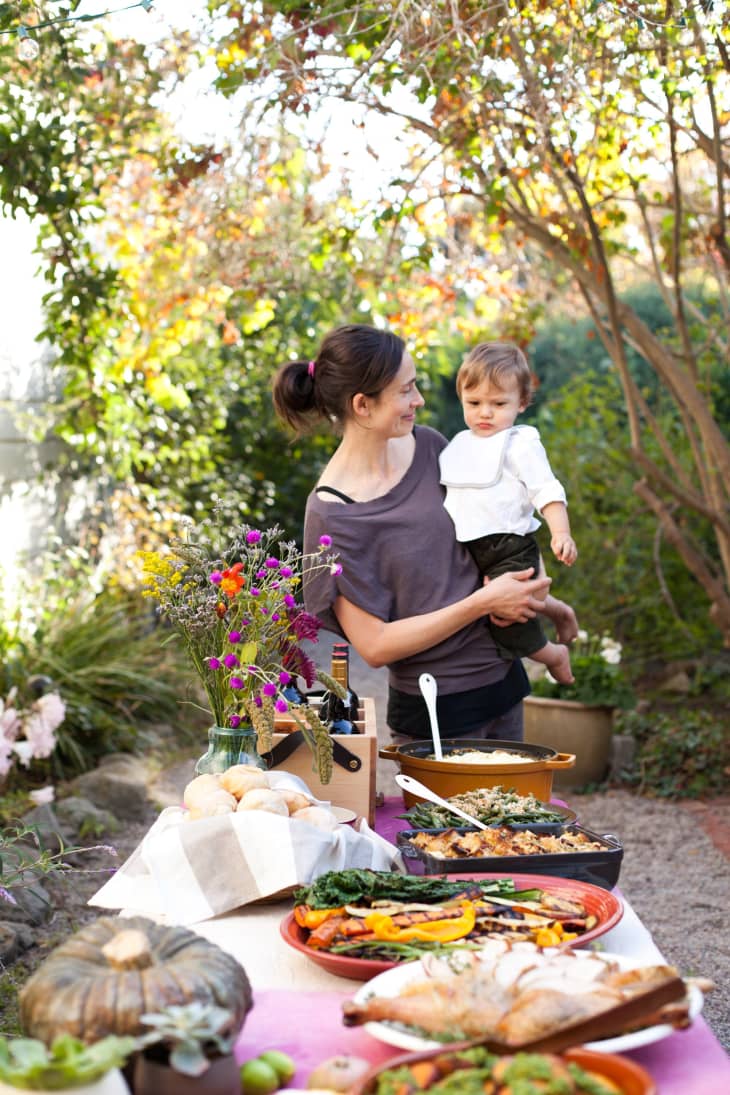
x=495 y=362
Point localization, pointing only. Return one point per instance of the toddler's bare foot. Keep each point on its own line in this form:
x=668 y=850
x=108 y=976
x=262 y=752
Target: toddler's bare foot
x=556 y=659
x=559 y=665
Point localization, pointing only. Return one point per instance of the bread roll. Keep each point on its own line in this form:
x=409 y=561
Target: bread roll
x=263 y=798
x=198 y=788
x=317 y=816
x=214 y=805
x=242 y=778
x=295 y=800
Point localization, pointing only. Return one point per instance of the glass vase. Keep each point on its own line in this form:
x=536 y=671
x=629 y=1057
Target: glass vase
x=227 y=747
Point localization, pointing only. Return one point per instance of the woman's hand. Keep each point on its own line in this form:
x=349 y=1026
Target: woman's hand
x=516 y=596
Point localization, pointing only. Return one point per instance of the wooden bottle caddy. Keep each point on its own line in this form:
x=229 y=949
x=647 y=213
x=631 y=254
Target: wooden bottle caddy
x=355 y=768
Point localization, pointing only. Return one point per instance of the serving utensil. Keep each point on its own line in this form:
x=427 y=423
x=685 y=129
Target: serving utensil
x=429 y=688
x=408 y=783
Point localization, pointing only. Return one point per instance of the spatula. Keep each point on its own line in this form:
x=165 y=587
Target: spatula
x=408 y=783
x=429 y=689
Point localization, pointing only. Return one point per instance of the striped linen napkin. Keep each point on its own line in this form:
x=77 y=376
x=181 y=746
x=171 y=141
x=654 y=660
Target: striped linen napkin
x=191 y=871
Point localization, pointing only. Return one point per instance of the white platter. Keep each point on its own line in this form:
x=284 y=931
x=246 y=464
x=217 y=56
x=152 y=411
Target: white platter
x=392 y=981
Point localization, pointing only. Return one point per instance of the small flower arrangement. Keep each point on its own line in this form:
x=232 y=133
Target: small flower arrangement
x=235 y=605
x=28 y=732
x=599 y=676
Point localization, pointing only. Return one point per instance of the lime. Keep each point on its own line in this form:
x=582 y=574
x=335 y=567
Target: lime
x=281 y=1063
x=258 y=1078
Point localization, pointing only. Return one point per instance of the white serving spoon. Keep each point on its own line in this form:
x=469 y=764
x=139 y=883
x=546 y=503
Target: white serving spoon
x=429 y=688
x=408 y=783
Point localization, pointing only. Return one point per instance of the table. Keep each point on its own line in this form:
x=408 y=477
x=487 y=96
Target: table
x=297 y=1004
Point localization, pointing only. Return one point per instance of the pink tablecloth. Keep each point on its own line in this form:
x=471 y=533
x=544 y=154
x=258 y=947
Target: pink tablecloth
x=308 y=1026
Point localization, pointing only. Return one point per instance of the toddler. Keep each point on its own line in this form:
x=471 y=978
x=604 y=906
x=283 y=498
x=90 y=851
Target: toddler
x=496 y=475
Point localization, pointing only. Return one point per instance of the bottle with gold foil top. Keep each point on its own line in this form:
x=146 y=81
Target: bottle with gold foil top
x=338 y=712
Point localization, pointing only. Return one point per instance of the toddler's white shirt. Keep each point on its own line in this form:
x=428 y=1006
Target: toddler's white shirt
x=495 y=484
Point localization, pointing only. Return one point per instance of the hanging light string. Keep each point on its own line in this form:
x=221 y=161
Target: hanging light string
x=27 y=30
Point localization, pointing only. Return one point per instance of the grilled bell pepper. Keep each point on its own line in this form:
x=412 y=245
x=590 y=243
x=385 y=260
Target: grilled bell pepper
x=312 y=918
x=436 y=931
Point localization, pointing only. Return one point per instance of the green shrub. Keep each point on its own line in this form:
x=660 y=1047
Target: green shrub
x=680 y=755
x=108 y=659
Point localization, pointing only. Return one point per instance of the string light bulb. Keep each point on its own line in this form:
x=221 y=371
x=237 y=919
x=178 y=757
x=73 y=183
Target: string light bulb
x=28 y=48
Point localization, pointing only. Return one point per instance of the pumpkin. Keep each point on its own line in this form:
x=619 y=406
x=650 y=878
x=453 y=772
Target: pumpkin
x=103 y=978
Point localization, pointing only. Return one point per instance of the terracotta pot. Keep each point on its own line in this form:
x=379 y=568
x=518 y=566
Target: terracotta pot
x=579 y=728
x=156 y=1077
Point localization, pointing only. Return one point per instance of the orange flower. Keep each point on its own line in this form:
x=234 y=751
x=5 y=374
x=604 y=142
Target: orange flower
x=232 y=581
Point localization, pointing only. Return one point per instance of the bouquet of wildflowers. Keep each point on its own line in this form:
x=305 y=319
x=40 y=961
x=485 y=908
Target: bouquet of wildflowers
x=28 y=732
x=236 y=608
x=599 y=676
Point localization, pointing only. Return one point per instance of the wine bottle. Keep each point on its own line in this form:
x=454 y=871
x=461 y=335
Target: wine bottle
x=293 y=694
x=334 y=710
x=342 y=650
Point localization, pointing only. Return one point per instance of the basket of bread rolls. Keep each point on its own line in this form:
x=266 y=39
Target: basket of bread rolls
x=246 y=787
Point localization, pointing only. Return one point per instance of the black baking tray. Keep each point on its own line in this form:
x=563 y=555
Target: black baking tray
x=569 y=817
x=600 y=868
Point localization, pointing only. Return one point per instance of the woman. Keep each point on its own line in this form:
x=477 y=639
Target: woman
x=409 y=596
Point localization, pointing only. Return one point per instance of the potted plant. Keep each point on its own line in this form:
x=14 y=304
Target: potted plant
x=27 y=1064
x=189 y=1050
x=232 y=596
x=578 y=718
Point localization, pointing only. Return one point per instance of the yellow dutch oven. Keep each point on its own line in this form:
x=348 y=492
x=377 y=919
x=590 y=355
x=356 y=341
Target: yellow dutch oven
x=449 y=777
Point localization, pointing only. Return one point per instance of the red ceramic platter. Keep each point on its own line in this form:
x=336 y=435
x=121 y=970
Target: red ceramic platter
x=596 y=901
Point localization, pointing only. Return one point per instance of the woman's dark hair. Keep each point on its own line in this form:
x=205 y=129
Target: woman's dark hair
x=354 y=358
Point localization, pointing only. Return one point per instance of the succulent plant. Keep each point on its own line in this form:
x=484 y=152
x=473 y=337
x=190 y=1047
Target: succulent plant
x=29 y=1063
x=191 y=1033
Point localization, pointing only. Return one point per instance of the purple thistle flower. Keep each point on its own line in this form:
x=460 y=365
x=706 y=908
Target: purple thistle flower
x=230 y=661
x=234 y=636
x=290 y=601
x=214 y=663
x=284 y=677
x=234 y=721
x=325 y=541
x=236 y=683
x=269 y=689
x=216 y=577
x=281 y=706
x=253 y=536
x=286 y=572
x=305 y=625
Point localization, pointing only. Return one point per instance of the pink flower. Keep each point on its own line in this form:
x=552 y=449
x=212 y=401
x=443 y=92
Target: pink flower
x=269 y=689
x=325 y=541
x=336 y=569
x=284 y=677
x=271 y=563
x=214 y=663
x=234 y=721
x=231 y=661
x=216 y=577
x=236 y=683
x=286 y=572
x=253 y=536
x=43 y=796
x=234 y=636
x=281 y=706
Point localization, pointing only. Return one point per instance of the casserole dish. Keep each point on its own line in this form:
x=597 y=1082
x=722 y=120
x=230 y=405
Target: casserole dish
x=449 y=777
x=599 y=867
